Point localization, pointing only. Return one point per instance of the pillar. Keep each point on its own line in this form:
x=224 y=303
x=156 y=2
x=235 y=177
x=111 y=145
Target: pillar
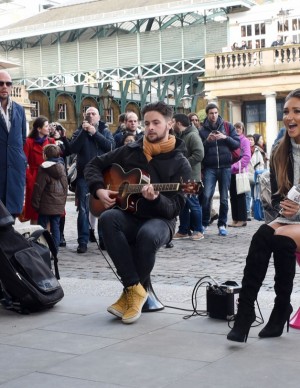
x=271 y=119
x=235 y=111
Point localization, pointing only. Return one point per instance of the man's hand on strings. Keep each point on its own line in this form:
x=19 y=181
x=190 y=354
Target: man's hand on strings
x=149 y=193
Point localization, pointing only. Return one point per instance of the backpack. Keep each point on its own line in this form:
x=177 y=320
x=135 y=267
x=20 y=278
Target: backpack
x=236 y=154
x=27 y=284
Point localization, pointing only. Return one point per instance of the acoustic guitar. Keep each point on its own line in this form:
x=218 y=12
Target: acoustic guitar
x=129 y=187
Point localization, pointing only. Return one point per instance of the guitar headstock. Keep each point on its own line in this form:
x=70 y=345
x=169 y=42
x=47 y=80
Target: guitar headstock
x=191 y=187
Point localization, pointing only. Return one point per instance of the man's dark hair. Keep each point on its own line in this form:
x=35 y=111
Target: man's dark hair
x=160 y=107
x=210 y=106
x=182 y=118
x=121 y=117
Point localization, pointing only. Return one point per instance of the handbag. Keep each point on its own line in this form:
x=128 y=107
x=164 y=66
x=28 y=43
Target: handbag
x=242 y=181
x=258 y=210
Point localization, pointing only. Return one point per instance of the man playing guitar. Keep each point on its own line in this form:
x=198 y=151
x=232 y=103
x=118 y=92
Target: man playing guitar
x=133 y=237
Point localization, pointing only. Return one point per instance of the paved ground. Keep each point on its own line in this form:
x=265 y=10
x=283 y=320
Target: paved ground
x=78 y=344
x=222 y=258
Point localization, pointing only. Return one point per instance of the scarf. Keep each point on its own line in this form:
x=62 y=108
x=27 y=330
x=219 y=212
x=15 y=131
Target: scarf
x=41 y=140
x=152 y=149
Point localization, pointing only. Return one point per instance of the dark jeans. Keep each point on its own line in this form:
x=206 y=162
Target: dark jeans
x=83 y=212
x=54 y=221
x=190 y=216
x=211 y=177
x=132 y=243
x=238 y=202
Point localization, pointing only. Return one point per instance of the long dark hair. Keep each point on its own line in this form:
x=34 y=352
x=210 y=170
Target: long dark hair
x=38 y=123
x=280 y=155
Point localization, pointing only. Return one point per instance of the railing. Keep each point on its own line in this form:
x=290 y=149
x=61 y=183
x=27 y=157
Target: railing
x=242 y=62
x=238 y=59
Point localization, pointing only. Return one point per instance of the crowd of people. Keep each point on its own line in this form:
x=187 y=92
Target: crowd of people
x=163 y=160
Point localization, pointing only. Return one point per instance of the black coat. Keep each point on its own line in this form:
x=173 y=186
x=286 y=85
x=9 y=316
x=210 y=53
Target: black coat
x=217 y=154
x=87 y=147
x=171 y=167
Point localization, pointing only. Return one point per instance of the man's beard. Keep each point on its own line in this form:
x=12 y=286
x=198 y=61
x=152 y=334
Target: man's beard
x=158 y=139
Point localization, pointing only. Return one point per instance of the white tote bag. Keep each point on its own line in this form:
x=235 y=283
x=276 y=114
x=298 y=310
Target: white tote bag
x=242 y=181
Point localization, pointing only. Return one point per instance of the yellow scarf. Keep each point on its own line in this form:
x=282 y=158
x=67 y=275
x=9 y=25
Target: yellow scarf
x=152 y=149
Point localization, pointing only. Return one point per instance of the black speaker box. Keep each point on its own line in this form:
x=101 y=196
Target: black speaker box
x=221 y=300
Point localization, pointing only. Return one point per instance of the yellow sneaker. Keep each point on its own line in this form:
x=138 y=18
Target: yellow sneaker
x=119 y=307
x=136 y=297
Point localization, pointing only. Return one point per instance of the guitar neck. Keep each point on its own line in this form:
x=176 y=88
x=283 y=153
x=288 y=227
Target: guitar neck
x=137 y=188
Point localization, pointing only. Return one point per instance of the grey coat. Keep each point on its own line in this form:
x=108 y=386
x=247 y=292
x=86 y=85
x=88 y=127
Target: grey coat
x=195 y=150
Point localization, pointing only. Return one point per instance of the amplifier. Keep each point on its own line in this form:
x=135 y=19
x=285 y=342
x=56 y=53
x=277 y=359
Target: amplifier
x=221 y=300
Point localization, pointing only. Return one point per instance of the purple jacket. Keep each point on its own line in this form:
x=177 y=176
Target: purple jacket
x=246 y=156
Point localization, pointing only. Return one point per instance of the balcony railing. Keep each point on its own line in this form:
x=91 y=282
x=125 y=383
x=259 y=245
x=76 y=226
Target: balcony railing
x=243 y=62
x=20 y=95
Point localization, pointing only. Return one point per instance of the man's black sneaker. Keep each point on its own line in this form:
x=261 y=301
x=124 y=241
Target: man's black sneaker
x=81 y=248
x=62 y=241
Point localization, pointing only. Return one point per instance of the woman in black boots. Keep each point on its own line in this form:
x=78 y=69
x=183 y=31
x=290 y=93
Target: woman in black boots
x=281 y=237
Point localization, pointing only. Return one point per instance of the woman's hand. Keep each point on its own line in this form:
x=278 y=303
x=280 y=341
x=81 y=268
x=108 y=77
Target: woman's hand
x=289 y=208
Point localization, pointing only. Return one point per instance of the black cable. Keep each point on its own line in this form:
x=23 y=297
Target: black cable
x=259 y=320
x=98 y=245
x=195 y=311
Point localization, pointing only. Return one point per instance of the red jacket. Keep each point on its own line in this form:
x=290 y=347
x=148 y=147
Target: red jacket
x=34 y=154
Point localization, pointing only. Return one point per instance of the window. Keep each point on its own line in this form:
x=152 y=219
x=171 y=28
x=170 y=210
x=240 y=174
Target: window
x=85 y=108
x=255 y=34
x=62 y=112
x=35 y=110
x=283 y=26
x=108 y=115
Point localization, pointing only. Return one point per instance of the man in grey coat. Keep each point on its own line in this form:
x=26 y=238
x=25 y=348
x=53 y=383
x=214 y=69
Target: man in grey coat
x=190 y=216
x=12 y=138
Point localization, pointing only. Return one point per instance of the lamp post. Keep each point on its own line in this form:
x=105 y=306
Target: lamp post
x=283 y=19
x=186 y=99
x=106 y=101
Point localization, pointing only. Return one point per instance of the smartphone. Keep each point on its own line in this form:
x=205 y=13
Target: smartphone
x=215 y=132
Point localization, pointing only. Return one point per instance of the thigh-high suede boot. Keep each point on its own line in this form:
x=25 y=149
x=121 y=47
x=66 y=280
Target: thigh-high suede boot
x=255 y=271
x=285 y=268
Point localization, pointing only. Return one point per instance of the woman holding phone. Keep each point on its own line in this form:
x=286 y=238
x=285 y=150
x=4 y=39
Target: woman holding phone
x=281 y=237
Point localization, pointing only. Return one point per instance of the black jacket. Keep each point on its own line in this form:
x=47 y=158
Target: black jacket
x=87 y=147
x=217 y=154
x=171 y=167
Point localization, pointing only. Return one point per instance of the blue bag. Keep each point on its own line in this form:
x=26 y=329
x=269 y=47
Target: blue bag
x=258 y=211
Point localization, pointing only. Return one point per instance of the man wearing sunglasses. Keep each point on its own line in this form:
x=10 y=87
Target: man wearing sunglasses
x=12 y=158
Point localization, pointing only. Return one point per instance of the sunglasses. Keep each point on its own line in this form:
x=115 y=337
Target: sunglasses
x=6 y=83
